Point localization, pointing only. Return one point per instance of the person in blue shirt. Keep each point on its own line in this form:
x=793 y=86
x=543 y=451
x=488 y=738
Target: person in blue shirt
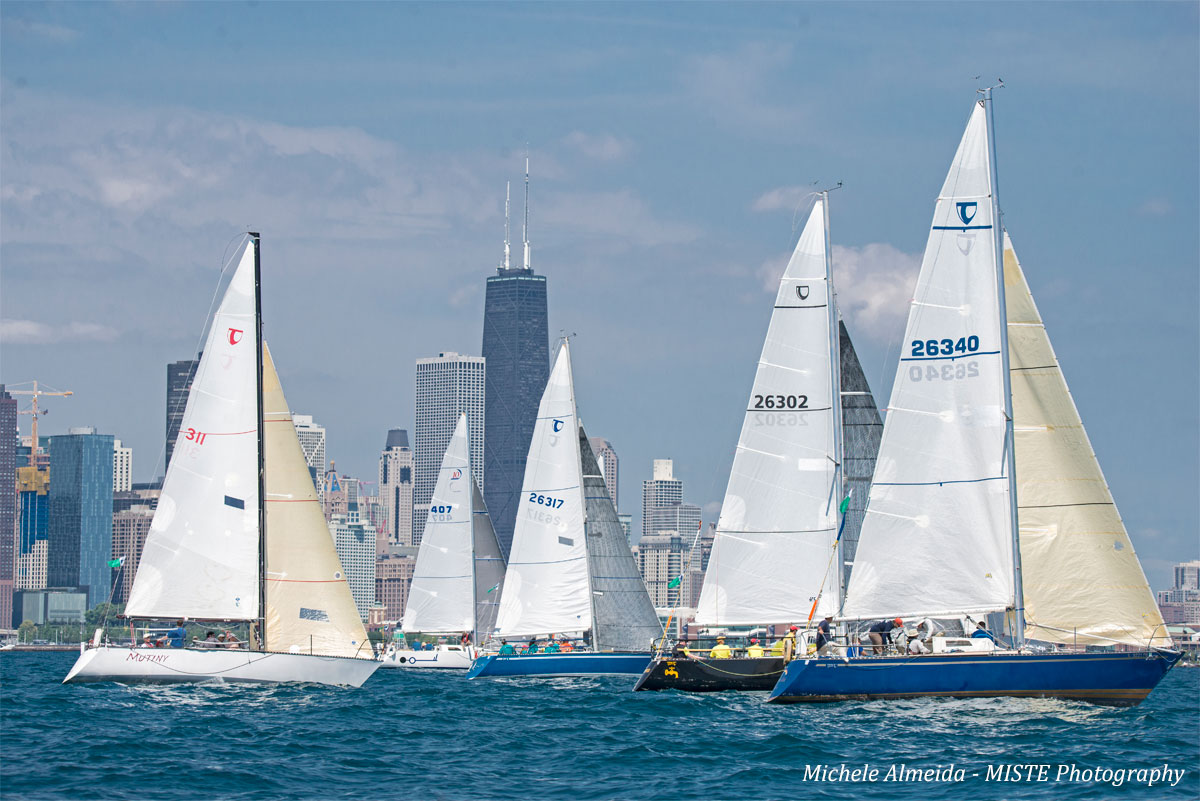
x=882 y=631
x=506 y=648
x=824 y=633
x=176 y=635
x=533 y=646
x=552 y=647
x=982 y=632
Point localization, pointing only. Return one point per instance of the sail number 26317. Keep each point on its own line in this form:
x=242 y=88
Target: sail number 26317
x=945 y=347
x=545 y=500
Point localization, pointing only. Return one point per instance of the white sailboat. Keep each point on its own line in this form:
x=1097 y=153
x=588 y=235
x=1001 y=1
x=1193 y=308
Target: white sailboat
x=570 y=569
x=457 y=581
x=987 y=497
x=238 y=535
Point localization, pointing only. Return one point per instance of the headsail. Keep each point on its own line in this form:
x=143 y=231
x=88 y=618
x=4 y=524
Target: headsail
x=937 y=538
x=309 y=605
x=861 y=432
x=779 y=518
x=442 y=597
x=546 y=587
x=625 y=619
x=1083 y=583
x=489 y=567
x=201 y=555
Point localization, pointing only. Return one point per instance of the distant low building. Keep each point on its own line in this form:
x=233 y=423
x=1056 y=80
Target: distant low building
x=1181 y=603
x=54 y=605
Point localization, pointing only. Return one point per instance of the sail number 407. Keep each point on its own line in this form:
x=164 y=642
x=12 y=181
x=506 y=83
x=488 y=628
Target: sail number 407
x=945 y=347
x=780 y=401
x=545 y=500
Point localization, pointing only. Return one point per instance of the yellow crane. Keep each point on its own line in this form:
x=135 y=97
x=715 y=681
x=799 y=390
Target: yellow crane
x=34 y=412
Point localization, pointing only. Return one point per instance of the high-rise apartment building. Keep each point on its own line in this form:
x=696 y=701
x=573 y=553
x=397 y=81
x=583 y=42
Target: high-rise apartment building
x=393 y=580
x=33 y=502
x=396 y=487
x=8 y=500
x=660 y=491
x=1181 y=604
x=312 y=442
x=129 y=529
x=1187 y=575
x=447 y=386
x=355 y=543
x=79 y=537
x=606 y=457
x=122 y=467
x=516 y=344
x=681 y=517
x=179 y=383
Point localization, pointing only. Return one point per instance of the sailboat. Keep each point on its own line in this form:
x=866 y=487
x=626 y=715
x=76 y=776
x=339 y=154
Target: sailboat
x=570 y=571
x=987 y=496
x=778 y=542
x=238 y=535
x=459 y=574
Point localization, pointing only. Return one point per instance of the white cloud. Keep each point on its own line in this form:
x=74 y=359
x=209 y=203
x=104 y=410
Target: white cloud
x=783 y=197
x=601 y=147
x=1155 y=207
x=41 y=30
x=621 y=215
x=874 y=284
x=30 y=332
x=737 y=89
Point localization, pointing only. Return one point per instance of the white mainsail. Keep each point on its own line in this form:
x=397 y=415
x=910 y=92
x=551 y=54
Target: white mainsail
x=779 y=519
x=442 y=596
x=546 y=587
x=937 y=538
x=1066 y=512
x=201 y=556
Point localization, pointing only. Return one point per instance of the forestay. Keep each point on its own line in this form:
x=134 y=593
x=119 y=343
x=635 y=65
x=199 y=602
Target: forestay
x=442 y=596
x=200 y=559
x=1083 y=583
x=779 y=518
x=937 y=538
x=546 y=588
x=309 y=605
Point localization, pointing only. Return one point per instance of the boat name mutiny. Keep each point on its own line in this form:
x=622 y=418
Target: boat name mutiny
x=1004 y=772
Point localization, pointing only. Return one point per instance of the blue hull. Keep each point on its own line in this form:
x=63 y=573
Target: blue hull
x=1120 y=679
x=577 y=663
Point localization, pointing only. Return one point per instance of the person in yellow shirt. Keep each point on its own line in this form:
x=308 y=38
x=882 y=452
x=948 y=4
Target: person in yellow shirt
x=755 y=650
x=720 y=650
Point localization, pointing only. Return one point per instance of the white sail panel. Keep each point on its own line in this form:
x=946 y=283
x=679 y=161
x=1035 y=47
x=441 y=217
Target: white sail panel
x=1082 y=580
x=778 y=522
x=546 y=587
x=489 y=567
x=937 y=537
x=442 y=596
x=309 y=605
x=201 y=555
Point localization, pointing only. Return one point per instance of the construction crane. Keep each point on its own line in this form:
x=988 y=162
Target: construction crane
x=34 y=412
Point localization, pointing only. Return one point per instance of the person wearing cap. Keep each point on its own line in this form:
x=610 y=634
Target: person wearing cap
x=506 y=648
x=915 y=646
x=755 y=650
x=720 y=650
x=881 y=630
x=824 y=633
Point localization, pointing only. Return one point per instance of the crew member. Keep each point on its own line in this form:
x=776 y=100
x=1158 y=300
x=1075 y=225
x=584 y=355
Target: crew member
x=755 y=650
x=982 y=632
x=824 y=633
x=720 y=650
x=882 y=631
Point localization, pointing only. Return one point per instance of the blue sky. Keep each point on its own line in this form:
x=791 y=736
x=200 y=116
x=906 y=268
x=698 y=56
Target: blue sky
x=671 y=145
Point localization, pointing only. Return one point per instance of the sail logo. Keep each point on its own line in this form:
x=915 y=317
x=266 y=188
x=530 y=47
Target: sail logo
x=967 y=210
x=558 y=426
x=965 y=242
x=457 y=474
x=802 y=292
x=235 y=335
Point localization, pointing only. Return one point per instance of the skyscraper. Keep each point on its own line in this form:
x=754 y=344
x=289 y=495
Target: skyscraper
x=516 y=346
x=129 y=529
x=179 y=383
x=8 y=500
x=33 y=498
x=396 y=487
x=447 y=386
x=80 y=528
x=355 y=543
x=312 y=442
x=122 y=467
x=606 y=456
x=660 y=491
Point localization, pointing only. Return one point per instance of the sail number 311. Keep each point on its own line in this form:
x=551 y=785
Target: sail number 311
x=945 y=347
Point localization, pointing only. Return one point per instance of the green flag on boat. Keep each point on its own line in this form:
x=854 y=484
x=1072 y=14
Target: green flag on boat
x=493 y=589
x=845 y=505
x=116 y=562
x=673 y=583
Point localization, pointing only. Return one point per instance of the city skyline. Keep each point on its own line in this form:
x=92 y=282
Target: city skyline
x=667 y=183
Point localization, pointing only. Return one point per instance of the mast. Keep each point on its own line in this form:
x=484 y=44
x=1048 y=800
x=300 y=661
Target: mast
x=1009 y=442
x=471 y=519
x=262 y=495
x=525 y=227
x=835 y=371
x=507 y=199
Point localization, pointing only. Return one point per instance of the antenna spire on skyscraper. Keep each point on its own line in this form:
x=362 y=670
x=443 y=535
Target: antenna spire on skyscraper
x=507 y=198
x=525 y=227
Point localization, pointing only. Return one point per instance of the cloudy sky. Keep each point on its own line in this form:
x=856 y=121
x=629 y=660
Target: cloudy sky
x=673 y=148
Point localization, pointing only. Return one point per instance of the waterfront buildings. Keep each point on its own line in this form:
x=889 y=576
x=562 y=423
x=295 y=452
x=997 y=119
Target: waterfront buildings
x=446 y=386
x=681 y=517
x=130 y=526
x=666 y=555
x=355 y=542
x=393 y=579
x=606 y=457
x=661 y=491
x=396 y=487
x=8 y=500
x=33 y=504
x=122 y=467
x=179 y=383
x=79 y=535
x=312 y=442
x=56 y=605
x=1181 y=603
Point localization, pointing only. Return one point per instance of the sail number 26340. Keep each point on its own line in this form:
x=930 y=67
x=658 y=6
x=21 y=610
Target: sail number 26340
x=945 y=347
x=545 y=500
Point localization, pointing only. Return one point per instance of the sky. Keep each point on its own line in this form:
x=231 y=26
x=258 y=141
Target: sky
x=673 y=150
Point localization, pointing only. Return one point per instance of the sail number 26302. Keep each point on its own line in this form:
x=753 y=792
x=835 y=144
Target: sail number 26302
x=545 y=500
x=780 y=401
x=945 y=347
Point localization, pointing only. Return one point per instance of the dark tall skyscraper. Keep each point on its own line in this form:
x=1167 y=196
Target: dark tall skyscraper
x=79 y=542
x=8 y=500
x=179 y=382
x=516 y=348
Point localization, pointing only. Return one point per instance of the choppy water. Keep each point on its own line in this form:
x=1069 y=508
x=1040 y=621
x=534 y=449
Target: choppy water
x=428 y=736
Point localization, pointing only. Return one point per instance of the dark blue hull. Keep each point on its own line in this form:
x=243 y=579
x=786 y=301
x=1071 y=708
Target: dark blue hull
x=1119 y=679
x=575 y=663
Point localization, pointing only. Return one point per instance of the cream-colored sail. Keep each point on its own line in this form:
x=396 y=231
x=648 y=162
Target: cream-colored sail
x=309 y=605
x=1083 y=582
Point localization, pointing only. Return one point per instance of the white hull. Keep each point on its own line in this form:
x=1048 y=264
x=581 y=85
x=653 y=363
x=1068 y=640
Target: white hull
x=180 y=665
x=446 y=657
